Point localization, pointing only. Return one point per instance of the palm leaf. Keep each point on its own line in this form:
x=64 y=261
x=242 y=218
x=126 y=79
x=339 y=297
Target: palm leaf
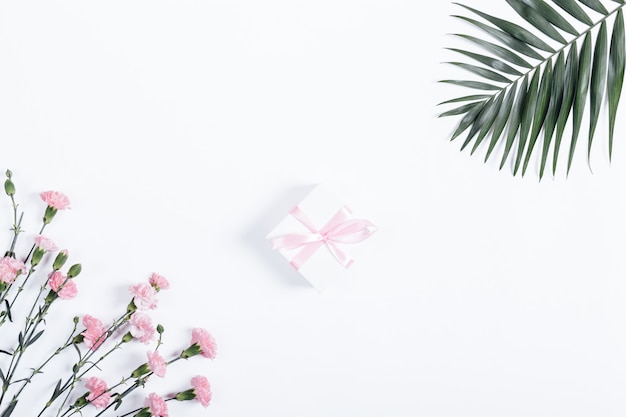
x=535 y=76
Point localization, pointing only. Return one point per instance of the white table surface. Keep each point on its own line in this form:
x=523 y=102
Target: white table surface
x=184 y=130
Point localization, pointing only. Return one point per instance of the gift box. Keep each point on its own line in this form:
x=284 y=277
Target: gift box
x=321 y=237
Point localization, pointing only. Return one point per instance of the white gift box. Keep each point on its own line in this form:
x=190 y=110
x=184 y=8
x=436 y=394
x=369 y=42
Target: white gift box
x=320 y=237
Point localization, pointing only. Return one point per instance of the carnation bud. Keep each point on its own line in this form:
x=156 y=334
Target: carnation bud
x=60 y=260
x=37 y=255
x=9 y=188
x=186 y=395
x=78 y=339
x=76 y=319
x=160 y=329
x=74 y=270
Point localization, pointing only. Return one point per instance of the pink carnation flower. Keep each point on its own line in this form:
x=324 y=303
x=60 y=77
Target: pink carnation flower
x=45 y=243
x=97 y=392
x=64 y=287
x=144 y=296
x=55 y=199
x=202 y=388
x=141 y=327
x=156 y=405
x=10 y=268
x=94 y=333
x=157 y=363
x=205 y=341
x=159 y=282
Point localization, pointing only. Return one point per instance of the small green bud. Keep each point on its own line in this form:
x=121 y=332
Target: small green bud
x=186 y=395
x=60 y=260
x=9 y=188
x=78 y=339
x=160 y=329
x=74 y=270
x=76 y=319
x=9 y=174
x=75 y=368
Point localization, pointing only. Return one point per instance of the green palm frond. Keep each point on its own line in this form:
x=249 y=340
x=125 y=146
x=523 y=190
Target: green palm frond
x=532 y=84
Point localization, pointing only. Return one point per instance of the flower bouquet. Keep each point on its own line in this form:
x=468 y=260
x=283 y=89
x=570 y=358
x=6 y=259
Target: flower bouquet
x=31 y=286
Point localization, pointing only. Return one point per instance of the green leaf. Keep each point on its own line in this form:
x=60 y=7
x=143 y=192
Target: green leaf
x=615 y=77
x=491 y=62
x=465 y=98
x=467 y=120
x=514 y=123
x=571 y=7
x=57 y=391
x=497 y=50
x=584 y=75
x=483 y=118
x=537 y=20
x=598 y=82
x=595 y=5
x=552 y=16
x=472 y=84
x=541 y=110
x=505 y=38
x=501 y=119
x=556 y=98
x=569 y=88
x=34 y=338
x=8 y=310
x=527 y=117
x=483 y=72
x=513 y=30
x=487 y=121
x=459 y=110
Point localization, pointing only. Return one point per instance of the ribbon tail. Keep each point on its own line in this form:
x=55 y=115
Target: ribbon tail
x=305 y=253
x=340 y=255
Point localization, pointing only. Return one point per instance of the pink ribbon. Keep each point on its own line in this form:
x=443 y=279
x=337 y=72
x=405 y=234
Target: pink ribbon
x=339 y=229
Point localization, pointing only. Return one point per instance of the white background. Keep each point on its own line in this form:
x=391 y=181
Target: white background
x=183 y=131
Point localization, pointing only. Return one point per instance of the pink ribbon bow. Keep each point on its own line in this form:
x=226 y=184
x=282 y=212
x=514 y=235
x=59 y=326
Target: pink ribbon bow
x=339 y=229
